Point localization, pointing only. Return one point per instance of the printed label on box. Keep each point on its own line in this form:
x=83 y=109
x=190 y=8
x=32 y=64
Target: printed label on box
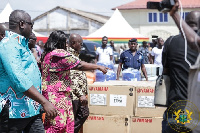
x=146 y=101
x=98 y=99
x=118 y=100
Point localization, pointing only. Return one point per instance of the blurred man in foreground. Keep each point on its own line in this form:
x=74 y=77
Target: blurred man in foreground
x=176 y=67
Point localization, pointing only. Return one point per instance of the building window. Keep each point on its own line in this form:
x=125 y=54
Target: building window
x=184 y=14
x=152 y=17
x=163 y=17
x=157 y=17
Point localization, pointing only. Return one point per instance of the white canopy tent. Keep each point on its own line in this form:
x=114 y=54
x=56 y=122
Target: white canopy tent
x=4 y=17
x=116 y=29
x=116 y=26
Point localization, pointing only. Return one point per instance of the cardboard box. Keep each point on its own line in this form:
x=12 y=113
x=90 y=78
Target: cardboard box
x=117 y=82
x=109 y=99
x=145 y=100
x=107 y=124
x=146 y=125
x=141 y=103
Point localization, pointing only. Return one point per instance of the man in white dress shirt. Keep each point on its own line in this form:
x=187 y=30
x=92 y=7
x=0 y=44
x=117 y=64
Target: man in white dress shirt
x=104 y=53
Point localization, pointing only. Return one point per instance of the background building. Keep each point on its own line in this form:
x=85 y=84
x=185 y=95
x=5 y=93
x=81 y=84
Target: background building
x=150 y=22
x=68 y=20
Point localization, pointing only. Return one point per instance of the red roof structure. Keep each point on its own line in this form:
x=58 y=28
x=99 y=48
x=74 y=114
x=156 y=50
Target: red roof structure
x=142 y=4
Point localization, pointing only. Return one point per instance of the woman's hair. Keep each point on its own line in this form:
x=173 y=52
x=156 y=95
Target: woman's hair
x=56 y=40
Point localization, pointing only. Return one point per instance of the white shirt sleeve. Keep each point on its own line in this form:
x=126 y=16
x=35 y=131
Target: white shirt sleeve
x=153 y=52
x=97 y=51
x=110 y=51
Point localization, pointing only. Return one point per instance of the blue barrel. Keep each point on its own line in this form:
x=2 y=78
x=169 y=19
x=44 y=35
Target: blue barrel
x=100 y=77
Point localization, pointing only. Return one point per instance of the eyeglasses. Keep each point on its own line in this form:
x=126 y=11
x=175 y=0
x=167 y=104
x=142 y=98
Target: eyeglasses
x=30 y=23
x=23 y=21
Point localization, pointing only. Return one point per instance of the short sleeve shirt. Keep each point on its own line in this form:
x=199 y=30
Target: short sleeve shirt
x=157 y=53
x=18 y=72
x=145 y=53
x=104 y=54
x=130 y=61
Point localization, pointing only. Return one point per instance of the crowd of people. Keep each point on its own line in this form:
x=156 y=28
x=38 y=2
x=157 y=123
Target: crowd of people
x=49 y=78
x=27 y=90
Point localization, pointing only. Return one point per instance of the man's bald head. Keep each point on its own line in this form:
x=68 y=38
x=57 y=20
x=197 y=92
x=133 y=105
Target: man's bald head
x=74 y=37
x=16 y=16
x=20 y=23
x=3 y=28
x=75 y=42
x=192 y=20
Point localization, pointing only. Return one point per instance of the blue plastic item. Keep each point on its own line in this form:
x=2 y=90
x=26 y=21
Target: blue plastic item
x=137 y=74
x=111 y=75
x=102 y=64
x=111 y=66
x=128 y=76
x=131 y=75
x=100 y=77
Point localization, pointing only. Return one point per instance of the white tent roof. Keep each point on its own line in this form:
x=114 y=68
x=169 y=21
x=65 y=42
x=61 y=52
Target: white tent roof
x=116 y=26
x=4 y=16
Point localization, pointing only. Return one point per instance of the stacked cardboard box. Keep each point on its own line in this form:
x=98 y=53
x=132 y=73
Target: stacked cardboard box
x=107 y=124
x=123 y=107
x=145 y=101
x=111 y=99
x=145 y=125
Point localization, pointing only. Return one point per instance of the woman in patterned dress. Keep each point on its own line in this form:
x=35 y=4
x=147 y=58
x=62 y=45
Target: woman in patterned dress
x=56 y=65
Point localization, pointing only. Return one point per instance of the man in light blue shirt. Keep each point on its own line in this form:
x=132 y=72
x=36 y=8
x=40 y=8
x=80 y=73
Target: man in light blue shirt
x=20 y=80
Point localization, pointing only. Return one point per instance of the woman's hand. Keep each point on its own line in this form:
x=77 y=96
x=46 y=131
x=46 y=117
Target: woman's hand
x=103 y=69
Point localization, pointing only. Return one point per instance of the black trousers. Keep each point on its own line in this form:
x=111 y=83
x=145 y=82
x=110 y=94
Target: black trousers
x=157 y=71
x=26 y=125
x=81 y=113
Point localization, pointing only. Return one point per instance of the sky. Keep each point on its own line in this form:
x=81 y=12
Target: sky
x=37 y=7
